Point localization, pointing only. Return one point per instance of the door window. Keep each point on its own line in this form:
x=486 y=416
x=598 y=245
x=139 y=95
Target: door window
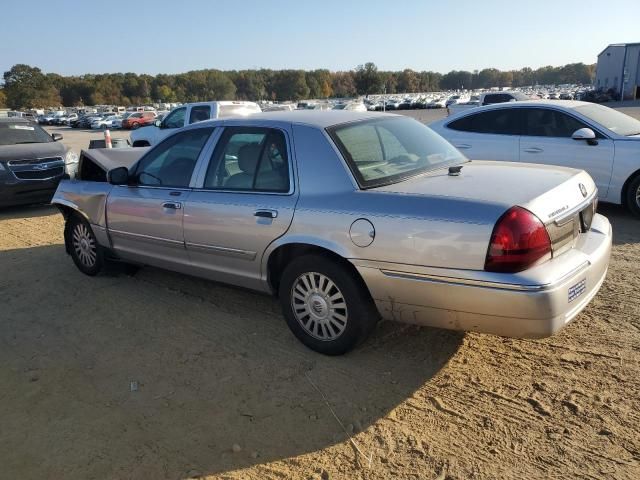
x=171 y=163
x=503 y=121
x=175 y=119
x=249 y=159
x=199 y=113
x=544 y=122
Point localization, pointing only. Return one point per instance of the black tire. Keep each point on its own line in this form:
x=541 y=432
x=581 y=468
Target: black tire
x=360 y=313
x=633 y=196
x=135 y=126
x=83 y=246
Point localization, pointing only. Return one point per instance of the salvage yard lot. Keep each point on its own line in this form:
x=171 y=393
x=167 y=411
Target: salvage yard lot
x=159 y=375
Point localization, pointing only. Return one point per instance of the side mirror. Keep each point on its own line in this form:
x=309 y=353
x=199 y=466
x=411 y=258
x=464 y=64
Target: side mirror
x=585 y=134
x=56 y=136
x=158 y=123
x=118 y=176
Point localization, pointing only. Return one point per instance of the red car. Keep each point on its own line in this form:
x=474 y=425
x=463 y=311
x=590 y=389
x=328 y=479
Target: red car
x=139 y=119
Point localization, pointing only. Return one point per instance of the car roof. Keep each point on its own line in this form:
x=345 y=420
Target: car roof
x=315 y=118
x=567 y=104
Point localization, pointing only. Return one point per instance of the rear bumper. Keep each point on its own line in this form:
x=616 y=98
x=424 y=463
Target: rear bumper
x=533 y=304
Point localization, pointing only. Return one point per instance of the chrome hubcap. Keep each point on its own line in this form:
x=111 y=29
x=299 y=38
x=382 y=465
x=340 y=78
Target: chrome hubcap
x=84 y=245
x=319 y=306
x=638 y=197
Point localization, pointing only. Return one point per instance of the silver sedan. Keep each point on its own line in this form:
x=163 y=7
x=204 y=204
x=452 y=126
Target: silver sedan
x=349 y=218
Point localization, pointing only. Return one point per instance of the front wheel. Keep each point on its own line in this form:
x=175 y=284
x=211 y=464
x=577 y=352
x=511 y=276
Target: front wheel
x=633 y=196
x=85 y=251
x=325 y=305
x=135 y=126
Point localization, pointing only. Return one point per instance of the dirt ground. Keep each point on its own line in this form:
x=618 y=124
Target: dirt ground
x=225 y=391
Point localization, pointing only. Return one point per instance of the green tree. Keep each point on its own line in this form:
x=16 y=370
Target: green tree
x=343 y=84
x=3 y=99
x=290 y=85
x=28 y=87
x=408 y=81
x=368 y=79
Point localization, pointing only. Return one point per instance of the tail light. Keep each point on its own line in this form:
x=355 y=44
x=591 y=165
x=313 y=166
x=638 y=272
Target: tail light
x=519 y=240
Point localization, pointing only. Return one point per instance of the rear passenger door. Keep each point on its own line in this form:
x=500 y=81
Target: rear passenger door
x=244 y=199
x=546 y=138
x=487 y=134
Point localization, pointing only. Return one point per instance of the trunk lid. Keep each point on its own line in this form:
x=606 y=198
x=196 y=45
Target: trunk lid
x=564 y=199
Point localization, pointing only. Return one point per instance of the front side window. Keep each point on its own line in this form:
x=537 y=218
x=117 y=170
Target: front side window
x=389 y=150
x=544 y=122
x=249 y=159
x=175 y=119
x=171 y=163
x=199 y=113
x=496 y=122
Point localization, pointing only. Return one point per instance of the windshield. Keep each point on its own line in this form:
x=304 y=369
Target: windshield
x=612 y=119
x=389 y=150
x=17 y=133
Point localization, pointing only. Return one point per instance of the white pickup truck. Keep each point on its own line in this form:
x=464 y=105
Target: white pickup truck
x=187 y=114
x=487 y=98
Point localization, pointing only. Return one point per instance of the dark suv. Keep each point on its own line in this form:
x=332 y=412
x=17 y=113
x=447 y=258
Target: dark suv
x=32 y=162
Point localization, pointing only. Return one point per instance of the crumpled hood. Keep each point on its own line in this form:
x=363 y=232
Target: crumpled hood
x=28 y=151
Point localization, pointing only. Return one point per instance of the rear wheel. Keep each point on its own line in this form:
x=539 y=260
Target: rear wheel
x=633 y=196
x=325 y=306
x=135 y=126
x=85 y=251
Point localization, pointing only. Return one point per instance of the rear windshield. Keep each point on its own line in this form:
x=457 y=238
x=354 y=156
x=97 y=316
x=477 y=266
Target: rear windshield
x=389 y=150
x=609 y=118
x=18 y=133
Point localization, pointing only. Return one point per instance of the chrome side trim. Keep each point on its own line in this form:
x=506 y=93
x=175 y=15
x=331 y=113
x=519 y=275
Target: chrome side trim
x=230 y=252
x=150 y=238
x=566 y=216
x=422 y=277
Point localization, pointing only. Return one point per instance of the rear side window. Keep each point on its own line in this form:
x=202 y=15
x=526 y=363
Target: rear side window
x=249 y=159
x=199 y=113
x=544 y=122
x=496 y=122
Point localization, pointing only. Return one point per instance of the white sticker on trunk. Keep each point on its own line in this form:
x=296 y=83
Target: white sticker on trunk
x=578 y=289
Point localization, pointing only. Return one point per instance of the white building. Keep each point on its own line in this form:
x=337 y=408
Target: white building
x=619 y=69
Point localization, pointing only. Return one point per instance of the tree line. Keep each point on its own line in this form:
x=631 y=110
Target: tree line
x=28 y=87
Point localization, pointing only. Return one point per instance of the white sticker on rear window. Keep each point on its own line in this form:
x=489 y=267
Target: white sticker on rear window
x=21 y=127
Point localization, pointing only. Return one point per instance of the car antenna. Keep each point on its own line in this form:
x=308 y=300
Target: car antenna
x=455 y=171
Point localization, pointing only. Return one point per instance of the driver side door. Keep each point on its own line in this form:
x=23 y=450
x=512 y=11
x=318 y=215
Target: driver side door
x=145 y=218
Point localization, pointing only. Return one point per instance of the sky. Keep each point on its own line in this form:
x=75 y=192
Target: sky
x=73 y=37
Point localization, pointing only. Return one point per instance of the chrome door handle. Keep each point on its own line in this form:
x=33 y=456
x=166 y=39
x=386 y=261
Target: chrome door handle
x=266 y=213
x=463 y=146
x=172 y=205
x=533 y=150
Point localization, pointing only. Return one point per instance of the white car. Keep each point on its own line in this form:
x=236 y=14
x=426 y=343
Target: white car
x=104 y=122
x=186 y=115
x=595 y=138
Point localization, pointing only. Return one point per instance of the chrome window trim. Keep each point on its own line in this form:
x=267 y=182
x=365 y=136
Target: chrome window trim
x=198 y=185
